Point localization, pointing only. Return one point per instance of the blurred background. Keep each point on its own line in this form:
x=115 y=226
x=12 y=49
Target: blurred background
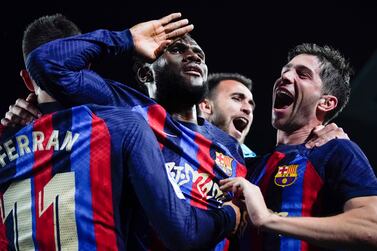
x=250 y=38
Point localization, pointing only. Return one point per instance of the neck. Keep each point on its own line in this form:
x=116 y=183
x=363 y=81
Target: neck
x=187 y=115
x=296 y=137
x=151 y=87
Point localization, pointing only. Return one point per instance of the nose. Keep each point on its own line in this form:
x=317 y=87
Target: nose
x=287 y=77
x=246 y=108
x=192 y=56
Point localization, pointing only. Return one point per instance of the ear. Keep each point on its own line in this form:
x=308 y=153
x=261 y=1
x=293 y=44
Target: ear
x=206 y=107
x=327 y=103
x=144 y=74
x=27 y=80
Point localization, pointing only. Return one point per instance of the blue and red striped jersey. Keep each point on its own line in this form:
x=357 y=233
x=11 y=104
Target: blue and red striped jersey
x=196 y=156
x=296 y=181
x=72 y=180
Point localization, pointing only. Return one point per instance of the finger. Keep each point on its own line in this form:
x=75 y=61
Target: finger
x=310 y=144
x=180 y=32
x=320 y=142
x=32 y=98
x=21 y=113
x=343 y=135
x=339 y=133
x=322 y=130
x=6 y=122
x=14 y=119
x=225 y=180
x=162 y=48
x=168 y=18
x=28 y=107
x=318 y=128
x=228 y=185
x=173 y=26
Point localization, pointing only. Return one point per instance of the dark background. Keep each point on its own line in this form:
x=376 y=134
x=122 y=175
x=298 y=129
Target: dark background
x=250 y=38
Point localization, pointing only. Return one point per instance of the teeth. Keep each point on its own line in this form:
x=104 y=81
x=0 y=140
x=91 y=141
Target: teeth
x=282 y=91
x=192 y=69
x=283 y=99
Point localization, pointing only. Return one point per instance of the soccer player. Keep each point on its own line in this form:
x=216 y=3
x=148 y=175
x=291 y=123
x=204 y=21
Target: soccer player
x=324 y=198
x=74 y=178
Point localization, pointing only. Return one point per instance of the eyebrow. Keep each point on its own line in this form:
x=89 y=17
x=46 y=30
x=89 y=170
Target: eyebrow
x=299 y=67
x=252 y=102
x=287 y=66
x=196 y=48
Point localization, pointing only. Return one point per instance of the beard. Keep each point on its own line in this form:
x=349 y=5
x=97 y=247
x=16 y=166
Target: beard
x=176 y=93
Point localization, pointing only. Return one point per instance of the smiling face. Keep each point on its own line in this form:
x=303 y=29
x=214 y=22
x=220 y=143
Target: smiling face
x=180 y=73
x=232 y=108
x=297 y=93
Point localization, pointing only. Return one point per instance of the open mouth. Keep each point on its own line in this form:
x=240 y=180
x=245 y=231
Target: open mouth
x=283 y=99
x=193 y=69
x=240 y=123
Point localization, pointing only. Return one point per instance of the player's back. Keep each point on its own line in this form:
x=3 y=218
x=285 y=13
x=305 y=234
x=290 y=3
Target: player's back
x=62 y=179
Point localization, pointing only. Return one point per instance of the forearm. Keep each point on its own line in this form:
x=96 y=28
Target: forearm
x=179 y=225
x=355 y=229
x=61 y=66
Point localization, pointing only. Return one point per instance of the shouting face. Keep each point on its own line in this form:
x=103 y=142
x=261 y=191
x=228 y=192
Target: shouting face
x=231 y=109
x=297 y=93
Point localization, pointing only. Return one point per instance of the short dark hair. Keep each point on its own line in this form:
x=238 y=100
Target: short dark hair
x=46 y=29
x=335 y=73
x=214 y=80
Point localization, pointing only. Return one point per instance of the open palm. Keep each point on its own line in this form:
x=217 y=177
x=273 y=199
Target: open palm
x=152 y=37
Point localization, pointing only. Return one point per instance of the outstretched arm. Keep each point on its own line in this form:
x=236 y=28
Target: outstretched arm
x=354 y=229
x=61 y=67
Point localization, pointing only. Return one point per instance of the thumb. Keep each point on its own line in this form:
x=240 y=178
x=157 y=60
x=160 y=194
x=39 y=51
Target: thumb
x=32 y=98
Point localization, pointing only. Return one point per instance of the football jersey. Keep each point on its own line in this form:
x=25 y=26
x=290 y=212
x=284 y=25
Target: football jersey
x=300 y=182
x=73 y=179
x=196 y=157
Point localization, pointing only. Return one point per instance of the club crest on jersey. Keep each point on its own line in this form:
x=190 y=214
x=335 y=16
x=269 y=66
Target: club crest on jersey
x=225 y=163
x=286 y=175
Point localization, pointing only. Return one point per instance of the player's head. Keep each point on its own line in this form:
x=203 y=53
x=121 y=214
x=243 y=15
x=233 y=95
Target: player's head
x=46 y=29
x=313 y=88
x=229 y=103
x=43 y=30
x=178 y=74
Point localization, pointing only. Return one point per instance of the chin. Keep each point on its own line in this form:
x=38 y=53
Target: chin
x=276 y=124
x=195 y=81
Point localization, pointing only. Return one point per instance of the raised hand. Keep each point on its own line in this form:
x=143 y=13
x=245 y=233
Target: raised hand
x=22 y=112
x=152 y=37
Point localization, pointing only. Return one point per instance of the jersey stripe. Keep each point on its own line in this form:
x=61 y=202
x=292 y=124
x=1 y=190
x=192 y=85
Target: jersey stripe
x=43 y=173
x=311 y=189
x=100 y=173
x=256 y=240
x=80 y=164
x=156 y=118
x=204 y=159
